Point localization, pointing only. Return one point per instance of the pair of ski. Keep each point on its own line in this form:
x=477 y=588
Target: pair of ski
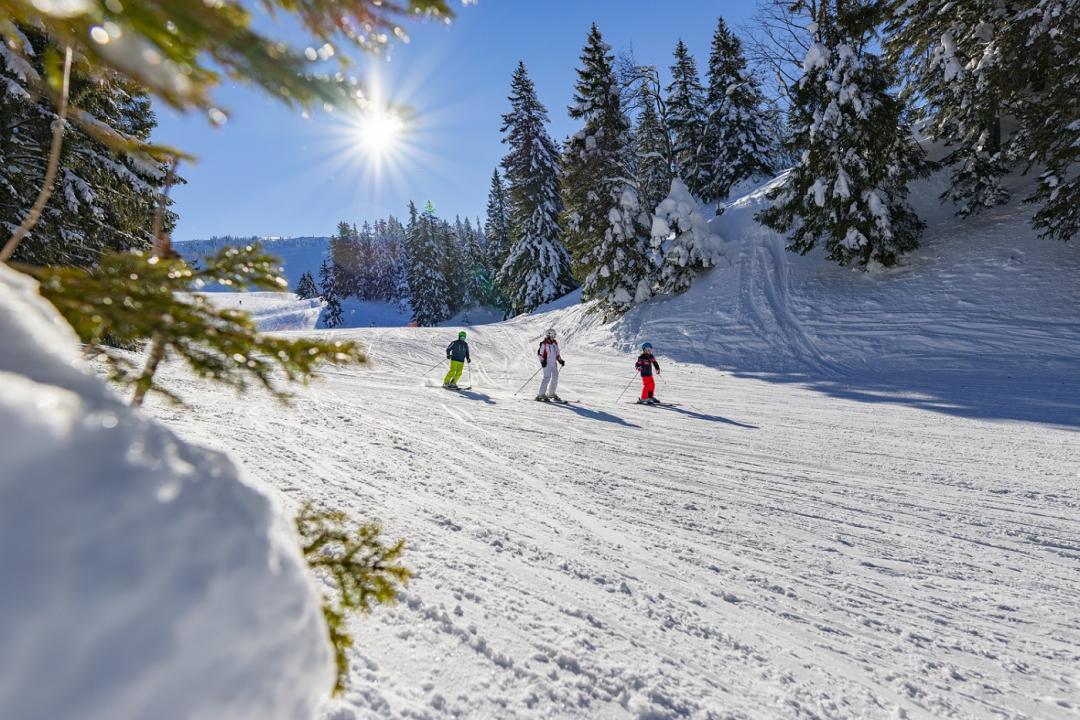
x=560 y=401
x=457 y=387
x=654 y=404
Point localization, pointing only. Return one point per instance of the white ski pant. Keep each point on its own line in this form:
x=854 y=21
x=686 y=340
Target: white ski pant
x=550 y=383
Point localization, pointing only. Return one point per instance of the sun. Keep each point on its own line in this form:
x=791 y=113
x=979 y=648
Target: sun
x=379 y=132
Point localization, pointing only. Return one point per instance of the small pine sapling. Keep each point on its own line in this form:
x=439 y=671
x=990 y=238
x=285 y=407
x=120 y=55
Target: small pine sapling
x=360 y=570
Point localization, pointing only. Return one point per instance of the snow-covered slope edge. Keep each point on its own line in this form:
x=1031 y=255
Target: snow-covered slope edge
x=982 y=301
x=140 y=577
x=980 y=290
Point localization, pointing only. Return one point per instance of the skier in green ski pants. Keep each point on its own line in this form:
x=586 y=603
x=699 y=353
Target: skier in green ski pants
x=457 y=353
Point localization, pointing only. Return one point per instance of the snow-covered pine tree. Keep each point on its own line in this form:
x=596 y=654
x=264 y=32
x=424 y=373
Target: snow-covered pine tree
x=396 y=287
x=474 y=260
x=681 y=236
x=537 y=267
x=607 y=233
x=306 y=289
x=497 y=222
x=1045 y=43
x=427 y=294
x=952 y=59
x=103 y=200
x=687 y=118
x=452 y=262
x=849 y=189
x=654 y=174
x=738 y=141
x=345 y=260
x=367 y=270
x=331 y=315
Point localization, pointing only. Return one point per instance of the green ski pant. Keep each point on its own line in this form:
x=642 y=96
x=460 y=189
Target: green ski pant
x=454 y=375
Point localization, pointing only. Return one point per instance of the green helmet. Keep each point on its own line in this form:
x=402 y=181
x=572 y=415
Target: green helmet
x=461 y=335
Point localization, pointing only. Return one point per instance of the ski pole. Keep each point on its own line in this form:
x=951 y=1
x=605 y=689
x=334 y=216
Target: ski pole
x=529 y=380
x=626 y=388
x=428 y=371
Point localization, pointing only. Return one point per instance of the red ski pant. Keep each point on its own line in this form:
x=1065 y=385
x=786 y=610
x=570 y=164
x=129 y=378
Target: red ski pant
x=648 y=385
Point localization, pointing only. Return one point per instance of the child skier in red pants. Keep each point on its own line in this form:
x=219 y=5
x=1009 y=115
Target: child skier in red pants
x=645 y=365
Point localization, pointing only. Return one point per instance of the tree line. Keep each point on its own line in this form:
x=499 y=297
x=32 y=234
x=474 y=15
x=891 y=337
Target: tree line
x=832 y=89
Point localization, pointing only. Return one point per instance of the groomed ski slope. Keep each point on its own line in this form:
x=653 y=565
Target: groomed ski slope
x=866 y=505
x=763 y=550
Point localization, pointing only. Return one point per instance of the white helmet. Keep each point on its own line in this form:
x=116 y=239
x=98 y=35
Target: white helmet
x=550 y=333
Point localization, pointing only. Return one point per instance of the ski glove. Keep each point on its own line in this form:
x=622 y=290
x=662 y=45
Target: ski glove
x=543 y=363
x=561 y=362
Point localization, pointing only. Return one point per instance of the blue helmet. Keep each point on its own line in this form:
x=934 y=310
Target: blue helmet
x=646 y=346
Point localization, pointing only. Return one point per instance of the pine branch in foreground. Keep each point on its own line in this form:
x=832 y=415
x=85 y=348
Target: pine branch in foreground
x=131 y=297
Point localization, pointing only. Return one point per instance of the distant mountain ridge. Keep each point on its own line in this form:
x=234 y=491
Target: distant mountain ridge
x=298 y=255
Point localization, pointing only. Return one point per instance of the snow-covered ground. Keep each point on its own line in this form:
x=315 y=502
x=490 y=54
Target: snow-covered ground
x=866 y=504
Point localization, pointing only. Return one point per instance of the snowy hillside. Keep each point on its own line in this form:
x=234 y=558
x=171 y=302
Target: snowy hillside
x=982 y=298
x=865 y=503
x=298 y=255
x=271 y=311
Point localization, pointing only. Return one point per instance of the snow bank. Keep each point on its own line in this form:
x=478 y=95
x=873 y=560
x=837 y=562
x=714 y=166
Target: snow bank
x=139 y=576
x=981 y=293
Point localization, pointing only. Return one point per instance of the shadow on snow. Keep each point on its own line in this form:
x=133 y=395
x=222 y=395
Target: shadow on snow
x=592 y=414
x=993 y=393
x=704 y=416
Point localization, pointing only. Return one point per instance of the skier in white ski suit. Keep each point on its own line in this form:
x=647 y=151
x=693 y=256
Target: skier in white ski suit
x=550 y=361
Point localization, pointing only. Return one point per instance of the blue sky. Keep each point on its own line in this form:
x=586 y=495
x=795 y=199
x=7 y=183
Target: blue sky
x=271 y=171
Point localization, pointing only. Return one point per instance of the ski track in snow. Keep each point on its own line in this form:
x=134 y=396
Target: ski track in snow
x=762 y=550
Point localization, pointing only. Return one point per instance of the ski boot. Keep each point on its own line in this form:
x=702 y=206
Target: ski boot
x=555 y=398
x=540 y=398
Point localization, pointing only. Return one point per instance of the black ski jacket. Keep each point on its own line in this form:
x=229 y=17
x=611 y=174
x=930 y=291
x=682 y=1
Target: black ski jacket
x=458 y=351
x=645 y=364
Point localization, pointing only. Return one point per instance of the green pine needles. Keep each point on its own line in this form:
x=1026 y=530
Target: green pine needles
x=130 y=298
x=360 y=570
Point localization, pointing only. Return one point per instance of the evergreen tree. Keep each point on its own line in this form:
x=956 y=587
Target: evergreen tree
x=976 y=62
x=606 y=231
x=103 y=200
x=497 y=227
x=427 y=288
x=453 y=263
x=345 y=259
x=499 y=238
x=1045 y=42
x=738 y=141
x=681 y=236
x=367 y=273
x=537 y=268
x=395 y=284
x=654 y=173
x=687 y=118
x=951 y=56
x=327 y=280
x=306 y=288
x=857 y=152
x=478 y=279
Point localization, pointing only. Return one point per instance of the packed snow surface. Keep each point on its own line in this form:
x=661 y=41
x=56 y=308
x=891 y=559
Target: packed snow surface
x=140 y=577
x=865 y=505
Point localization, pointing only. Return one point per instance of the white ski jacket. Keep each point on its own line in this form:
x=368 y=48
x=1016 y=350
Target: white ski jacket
x=548 y=352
